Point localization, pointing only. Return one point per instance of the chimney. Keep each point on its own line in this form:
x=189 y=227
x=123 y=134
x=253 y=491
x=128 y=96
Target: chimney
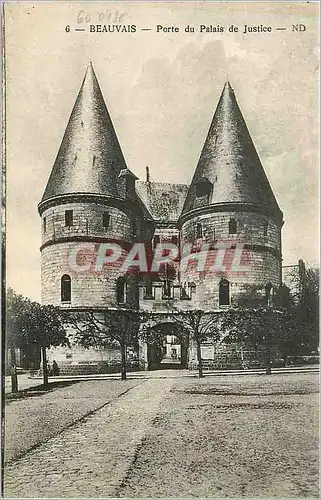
x=147 y=175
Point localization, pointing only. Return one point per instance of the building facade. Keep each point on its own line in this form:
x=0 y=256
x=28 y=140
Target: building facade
x=227 y=216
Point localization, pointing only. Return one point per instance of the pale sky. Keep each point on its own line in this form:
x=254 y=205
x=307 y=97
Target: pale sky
x=161 y=90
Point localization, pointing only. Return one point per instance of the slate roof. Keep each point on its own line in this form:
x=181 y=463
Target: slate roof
x=90 y=158
x=230 y=162
x=163 y=201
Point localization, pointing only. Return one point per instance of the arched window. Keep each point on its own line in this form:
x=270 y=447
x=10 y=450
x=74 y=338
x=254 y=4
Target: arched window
x=66 y=288
x=268 y=293
x=199 y=231
x=224 y=293
x=232 y=227
x=121 y=290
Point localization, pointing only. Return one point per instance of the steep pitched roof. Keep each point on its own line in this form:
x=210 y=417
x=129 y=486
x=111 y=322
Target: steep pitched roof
x=229 y=163
x=90 y=158
x=164 y=201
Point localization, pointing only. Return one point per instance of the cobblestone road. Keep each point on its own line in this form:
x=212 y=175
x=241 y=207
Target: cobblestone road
x=254 y=436
x=92 y=458
x=32 y=420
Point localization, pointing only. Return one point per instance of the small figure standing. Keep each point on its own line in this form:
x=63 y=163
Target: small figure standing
x=55 y=369
x=14 y=378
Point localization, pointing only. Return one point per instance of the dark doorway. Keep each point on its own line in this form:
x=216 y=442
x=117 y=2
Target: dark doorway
x=167 y=347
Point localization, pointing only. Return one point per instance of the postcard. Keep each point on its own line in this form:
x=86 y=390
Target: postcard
x=161 y=251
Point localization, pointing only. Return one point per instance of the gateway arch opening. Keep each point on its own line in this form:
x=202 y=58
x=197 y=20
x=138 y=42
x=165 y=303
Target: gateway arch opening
x=167 y=347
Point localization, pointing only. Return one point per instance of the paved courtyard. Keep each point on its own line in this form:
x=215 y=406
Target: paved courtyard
x=221 y=436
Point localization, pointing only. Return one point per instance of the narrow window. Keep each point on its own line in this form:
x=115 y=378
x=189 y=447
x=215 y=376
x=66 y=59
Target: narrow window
x=66 y=288
x=232 y=227
x=175 y=240
x=45 y=224
x=199 y=231
x=69 y=218
x=134 y=226
x=156 y=241
x=167 y=289
x=224 y=293
x=120 y=290
x=265 y=228
x=268 y=293
x=106 y=220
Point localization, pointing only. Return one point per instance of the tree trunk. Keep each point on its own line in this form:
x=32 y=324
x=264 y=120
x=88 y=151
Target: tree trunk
x=199 y=359
x=268 y=361
x=44 y=366
x=123 y=361
x=13 y=371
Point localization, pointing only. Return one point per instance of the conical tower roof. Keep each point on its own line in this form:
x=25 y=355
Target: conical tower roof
x=90 y=158
x=229 y=164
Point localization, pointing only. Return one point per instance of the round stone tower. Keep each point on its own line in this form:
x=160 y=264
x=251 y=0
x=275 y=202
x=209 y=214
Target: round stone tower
x=89 y=200
x=230 y=207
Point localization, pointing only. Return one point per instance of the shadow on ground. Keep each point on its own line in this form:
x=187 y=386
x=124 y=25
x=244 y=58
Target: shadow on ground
x=38 y=390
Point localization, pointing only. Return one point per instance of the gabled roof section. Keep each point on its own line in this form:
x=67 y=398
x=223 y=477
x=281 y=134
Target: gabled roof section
x=163 y=201
x=90 y=158
x=230 y=163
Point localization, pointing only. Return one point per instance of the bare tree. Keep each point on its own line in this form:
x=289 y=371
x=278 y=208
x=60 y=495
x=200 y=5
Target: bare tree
x=105 y=329
x=201 y=326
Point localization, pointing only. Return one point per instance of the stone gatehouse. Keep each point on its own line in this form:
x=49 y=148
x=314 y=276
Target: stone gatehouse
x=93 y=197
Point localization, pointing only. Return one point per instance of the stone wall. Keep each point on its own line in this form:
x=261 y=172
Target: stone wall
x=261 y=258
x=250 y=228
x=89 y=287
x=88 y=221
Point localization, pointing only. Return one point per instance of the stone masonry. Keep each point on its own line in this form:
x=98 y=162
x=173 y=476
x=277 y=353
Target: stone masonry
x=92 y=198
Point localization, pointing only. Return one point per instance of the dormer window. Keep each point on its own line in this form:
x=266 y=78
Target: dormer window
x=69 y=215
x=203 y=188
x=232 y=227
x=106 y=220
x=127 y=180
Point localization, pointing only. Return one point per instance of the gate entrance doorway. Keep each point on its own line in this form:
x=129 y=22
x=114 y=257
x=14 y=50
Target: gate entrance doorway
x=167 y=347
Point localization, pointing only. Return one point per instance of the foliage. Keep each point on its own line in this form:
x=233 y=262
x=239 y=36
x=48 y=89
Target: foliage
x=288 y=324
x=107 y=329
x=16 y=307
x=29 y=322
x=254 y=327
x=307 y=311
x=201 y=325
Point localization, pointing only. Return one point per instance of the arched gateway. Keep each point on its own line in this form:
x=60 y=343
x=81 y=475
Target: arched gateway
x=93 y=200
x=167 y=345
